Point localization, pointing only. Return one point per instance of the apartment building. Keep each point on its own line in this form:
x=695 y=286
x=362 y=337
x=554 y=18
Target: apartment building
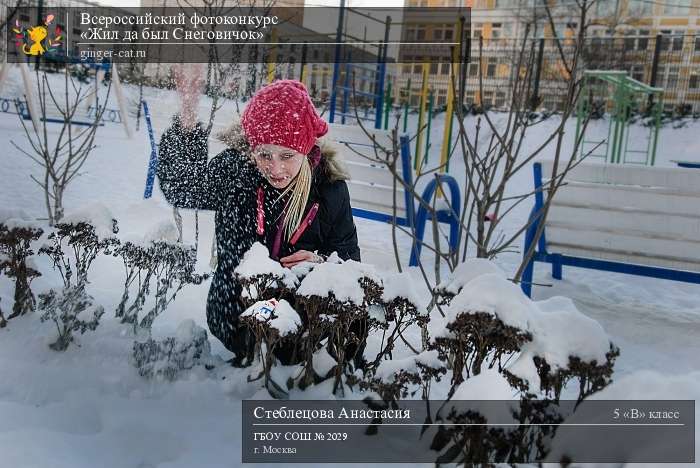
x=621 y=34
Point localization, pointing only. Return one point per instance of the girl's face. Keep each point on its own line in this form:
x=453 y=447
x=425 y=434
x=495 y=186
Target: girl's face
x=279 y=165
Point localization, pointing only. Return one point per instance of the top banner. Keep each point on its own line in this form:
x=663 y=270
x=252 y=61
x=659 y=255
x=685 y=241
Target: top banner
x=239 y=34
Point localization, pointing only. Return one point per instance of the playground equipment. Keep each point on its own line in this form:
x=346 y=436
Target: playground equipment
x=626 y=219
x=628 y=96
x=85 y=116
x=371 y=186
x=377 y=74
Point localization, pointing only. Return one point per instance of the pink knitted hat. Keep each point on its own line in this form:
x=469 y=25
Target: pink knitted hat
x=282 y=113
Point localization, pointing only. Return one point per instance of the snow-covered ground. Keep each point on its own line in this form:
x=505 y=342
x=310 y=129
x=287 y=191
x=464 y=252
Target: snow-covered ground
x=89 y=407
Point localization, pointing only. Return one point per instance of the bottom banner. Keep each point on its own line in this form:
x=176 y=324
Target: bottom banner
x=463 y=431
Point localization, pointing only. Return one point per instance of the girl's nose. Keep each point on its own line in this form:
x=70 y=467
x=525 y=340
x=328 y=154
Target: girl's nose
x=276 y=168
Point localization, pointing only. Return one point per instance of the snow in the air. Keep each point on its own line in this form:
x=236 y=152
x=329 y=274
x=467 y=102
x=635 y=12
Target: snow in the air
x=88 y=406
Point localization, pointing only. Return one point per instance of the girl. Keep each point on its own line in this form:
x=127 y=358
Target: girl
x=273 y=185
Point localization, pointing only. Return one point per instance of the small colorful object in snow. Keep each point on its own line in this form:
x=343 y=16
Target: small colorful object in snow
x=264 y=308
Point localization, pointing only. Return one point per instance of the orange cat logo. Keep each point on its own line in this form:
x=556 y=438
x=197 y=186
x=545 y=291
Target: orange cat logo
x=32 y=39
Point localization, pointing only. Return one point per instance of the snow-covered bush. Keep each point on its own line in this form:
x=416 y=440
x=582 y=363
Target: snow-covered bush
x=17 y=233
x=494 y=342
x=170 y=357
x=270 y=322
x=157 y=258
x=78 y=239
x=73 y=246
x=331 y=300
x=70 y=309
x=263 y=278
x=397 y=379
x=336 y=297
x=403 y=307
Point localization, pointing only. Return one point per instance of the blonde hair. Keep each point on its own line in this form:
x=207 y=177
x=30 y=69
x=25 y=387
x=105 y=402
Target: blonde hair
x=300 y=188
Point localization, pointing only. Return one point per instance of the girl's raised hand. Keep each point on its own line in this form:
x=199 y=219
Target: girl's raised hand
x=189 y=82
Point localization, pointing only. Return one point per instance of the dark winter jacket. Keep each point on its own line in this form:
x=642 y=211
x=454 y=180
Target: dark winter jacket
x=228 y=184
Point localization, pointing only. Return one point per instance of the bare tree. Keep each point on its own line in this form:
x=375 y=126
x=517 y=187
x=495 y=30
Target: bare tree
x=493 y=155
x=57 y=145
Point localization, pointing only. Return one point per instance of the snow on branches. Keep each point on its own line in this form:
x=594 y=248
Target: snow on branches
x=175 y=354
x=17 y=233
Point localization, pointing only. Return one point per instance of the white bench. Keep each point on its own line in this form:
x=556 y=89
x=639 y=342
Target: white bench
x=371 y=184
x=621 y=218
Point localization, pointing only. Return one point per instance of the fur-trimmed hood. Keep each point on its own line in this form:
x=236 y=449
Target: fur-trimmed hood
x=331 y=164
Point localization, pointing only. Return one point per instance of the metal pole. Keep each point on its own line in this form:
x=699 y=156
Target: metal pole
x=304 y=50
x=654 y=68
x=464 y=59
x=336 y=65
x=383 y=51
x=535 y=98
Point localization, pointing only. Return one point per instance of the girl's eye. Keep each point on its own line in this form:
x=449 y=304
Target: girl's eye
x=287 y=156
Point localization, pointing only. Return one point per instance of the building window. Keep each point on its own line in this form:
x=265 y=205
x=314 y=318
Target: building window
x=488 y=99
x=433 y=68
x=677 y=8
x=441 y=97
x=415 y=33
x=417 y=67
x=697 y=44
x=671 y=40
x=639 y=8
x=605 y=8
x=496 y=31
x=477 y=30
x=694 y=81
x=670 y=76
x=500 y=99
x=473 y=69
x=445 y=69
x=637 y=39
x=443 y=32
x=491 y=67
x=637 y=72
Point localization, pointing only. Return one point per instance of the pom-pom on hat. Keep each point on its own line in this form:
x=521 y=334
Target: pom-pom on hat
x=282 y=113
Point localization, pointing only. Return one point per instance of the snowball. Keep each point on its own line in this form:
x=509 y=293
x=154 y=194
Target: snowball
x=97 y=215
x=257 y=261
x=341 y=279
x=467 y=271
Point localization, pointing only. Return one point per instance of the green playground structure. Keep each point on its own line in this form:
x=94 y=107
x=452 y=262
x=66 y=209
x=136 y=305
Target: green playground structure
x=628 y=96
